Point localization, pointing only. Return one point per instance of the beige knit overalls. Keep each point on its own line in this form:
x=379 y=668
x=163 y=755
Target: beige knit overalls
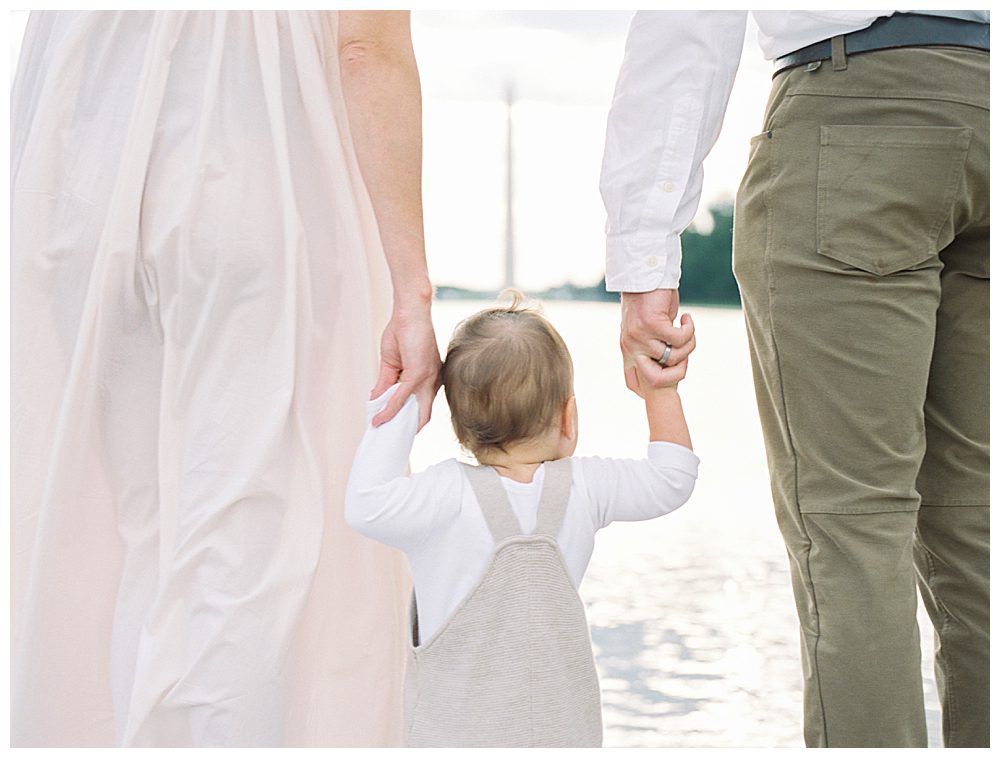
x=512 y=666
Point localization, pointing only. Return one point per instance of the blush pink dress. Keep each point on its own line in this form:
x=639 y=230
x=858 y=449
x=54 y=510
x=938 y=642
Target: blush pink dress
x=198 y=290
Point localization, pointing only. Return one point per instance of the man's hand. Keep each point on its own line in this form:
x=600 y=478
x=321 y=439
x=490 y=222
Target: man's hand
x=647 y=326
x=409 y=356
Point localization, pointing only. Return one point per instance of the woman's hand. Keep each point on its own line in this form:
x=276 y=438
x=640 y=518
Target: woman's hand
x=382 y=93
x=409 y=356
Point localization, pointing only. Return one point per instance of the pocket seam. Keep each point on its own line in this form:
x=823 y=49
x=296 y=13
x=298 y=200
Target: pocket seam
x=955 y=181
x=855 y=510
x=959 y=141
x=835 y=135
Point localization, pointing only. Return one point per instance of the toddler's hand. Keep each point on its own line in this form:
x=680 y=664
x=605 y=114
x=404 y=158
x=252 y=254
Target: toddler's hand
x=663 y=403
x=669 y=378
x=644 y=374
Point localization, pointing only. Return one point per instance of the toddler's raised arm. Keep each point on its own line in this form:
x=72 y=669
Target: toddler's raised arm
x=381 y=501
x=636 y=490
x=666 y=417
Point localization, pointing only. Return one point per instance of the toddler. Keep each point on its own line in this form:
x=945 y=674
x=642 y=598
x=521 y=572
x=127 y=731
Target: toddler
x=500 y=653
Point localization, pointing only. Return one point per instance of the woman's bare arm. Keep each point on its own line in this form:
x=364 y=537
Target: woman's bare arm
x=381 y=87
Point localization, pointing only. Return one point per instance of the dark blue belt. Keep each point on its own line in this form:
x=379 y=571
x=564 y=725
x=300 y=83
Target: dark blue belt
x=898 y=30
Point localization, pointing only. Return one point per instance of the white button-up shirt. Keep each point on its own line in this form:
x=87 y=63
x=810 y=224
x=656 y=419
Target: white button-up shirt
x=667 y=112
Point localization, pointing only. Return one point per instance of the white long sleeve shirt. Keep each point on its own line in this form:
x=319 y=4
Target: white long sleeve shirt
x=434 y=518
x=667 y=111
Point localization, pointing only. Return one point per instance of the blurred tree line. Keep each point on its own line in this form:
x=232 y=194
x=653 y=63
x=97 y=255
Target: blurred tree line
x=707 y=269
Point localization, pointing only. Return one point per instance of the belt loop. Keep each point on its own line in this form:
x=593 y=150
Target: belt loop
x=839 y=53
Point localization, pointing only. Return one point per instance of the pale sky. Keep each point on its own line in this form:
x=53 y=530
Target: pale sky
x=563 y=66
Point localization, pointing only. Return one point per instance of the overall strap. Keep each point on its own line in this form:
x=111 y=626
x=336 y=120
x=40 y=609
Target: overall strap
x=555 y=497
x=493 y=502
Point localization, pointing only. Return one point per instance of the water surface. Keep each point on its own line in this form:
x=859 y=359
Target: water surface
x=691 y=614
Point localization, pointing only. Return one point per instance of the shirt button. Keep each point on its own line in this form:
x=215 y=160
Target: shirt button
x=668 y=186
x=651 y=261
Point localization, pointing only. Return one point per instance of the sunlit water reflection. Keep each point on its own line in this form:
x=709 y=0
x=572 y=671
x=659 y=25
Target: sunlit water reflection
x=691 y=614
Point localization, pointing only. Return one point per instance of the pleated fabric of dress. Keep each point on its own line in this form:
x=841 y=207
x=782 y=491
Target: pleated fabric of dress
x=198 y=289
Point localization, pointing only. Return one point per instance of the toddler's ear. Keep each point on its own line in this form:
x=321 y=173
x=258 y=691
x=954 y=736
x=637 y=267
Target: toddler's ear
x=569 y=419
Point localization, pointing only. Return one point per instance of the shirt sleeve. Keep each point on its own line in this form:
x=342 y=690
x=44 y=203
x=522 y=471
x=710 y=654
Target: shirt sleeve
x=381 y=501
x=667 y=111
x=636 y=490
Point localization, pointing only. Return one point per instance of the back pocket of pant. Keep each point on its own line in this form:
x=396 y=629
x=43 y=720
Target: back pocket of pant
x=885 y=193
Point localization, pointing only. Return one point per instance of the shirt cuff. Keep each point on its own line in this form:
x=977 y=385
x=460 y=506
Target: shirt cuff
x=640 y=263
x=672 y=455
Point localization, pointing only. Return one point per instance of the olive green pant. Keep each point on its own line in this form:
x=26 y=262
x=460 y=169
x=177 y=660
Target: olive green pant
x=862 y=253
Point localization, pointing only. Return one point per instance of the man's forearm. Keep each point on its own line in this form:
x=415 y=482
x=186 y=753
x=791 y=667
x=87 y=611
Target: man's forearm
x=666 y=113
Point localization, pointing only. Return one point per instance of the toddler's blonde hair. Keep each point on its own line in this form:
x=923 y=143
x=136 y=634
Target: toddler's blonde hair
x=507 y=376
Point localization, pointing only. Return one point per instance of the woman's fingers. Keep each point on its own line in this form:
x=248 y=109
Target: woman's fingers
x=409 y=357
x=425 y=399
x=424 y=389
x=388 y=375
x=393 y=406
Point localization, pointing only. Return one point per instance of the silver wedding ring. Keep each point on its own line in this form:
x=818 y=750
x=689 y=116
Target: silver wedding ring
x=666 y=355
